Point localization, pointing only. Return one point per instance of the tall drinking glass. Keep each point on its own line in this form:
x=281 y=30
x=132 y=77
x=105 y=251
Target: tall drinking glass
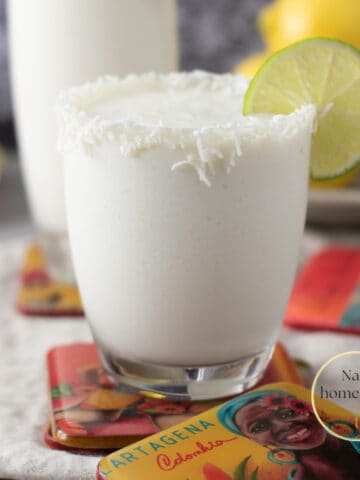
x=185 y=220
x=57 y=43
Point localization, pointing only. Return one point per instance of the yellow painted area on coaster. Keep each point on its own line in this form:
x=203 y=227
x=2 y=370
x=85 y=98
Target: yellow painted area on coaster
x=40 y=295
x=220 y=443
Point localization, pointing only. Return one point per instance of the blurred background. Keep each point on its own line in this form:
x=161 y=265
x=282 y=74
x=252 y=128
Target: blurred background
x=214 y=35
x=219 y=36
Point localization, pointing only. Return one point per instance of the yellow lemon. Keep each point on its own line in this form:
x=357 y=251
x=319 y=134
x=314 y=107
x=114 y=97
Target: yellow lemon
x=286 y=21
x=250 y=65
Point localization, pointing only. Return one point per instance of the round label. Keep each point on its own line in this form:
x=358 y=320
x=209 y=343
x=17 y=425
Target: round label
x=338 y=381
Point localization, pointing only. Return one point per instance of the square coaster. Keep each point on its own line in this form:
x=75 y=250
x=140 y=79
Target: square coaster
x=39 y=295
x=52 y=443
x=90 y=413
x=326 y=295
x=269 y=433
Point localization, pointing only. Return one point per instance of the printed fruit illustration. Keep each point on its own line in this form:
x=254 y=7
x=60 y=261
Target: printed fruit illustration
x=242 y=471
x=104 y=399
x=212 y=472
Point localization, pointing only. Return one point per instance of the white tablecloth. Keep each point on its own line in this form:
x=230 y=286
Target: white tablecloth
x=24 y=343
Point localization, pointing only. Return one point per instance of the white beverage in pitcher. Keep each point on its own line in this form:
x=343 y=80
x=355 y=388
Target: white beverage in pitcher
x=185 y=219
x=57 y=43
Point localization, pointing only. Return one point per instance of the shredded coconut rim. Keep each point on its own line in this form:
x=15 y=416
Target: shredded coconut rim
x=202 y=146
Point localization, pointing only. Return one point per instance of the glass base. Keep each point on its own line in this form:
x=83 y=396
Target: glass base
x=189 y=383
x=56 y=250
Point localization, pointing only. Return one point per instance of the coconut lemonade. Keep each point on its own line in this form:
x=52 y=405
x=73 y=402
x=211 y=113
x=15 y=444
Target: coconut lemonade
x=185 y=217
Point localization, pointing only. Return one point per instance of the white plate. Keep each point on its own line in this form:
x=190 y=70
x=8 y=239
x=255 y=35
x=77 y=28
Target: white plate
x=334 y=206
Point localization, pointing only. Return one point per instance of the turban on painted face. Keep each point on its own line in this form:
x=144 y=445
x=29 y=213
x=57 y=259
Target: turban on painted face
x=227 y=412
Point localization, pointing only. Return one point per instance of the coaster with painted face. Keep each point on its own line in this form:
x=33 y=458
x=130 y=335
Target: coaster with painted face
x=270 y=433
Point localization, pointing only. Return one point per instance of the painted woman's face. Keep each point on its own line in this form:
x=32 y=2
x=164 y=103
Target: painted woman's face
x=284 y=427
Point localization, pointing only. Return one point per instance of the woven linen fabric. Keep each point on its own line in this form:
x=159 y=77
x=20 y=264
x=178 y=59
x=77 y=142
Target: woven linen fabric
x=23 y=391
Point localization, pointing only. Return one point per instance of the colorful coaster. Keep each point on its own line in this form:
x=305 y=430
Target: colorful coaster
x=89 y=413
x=326 y=295
x=98 y=474
x=41 y=296
x=270 y=433
x=52 y=443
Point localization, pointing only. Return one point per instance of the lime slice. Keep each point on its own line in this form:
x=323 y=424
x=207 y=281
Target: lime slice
x=323 y=72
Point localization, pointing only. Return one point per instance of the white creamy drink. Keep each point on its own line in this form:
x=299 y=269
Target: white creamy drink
x=185 y=220
x=58 y=43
